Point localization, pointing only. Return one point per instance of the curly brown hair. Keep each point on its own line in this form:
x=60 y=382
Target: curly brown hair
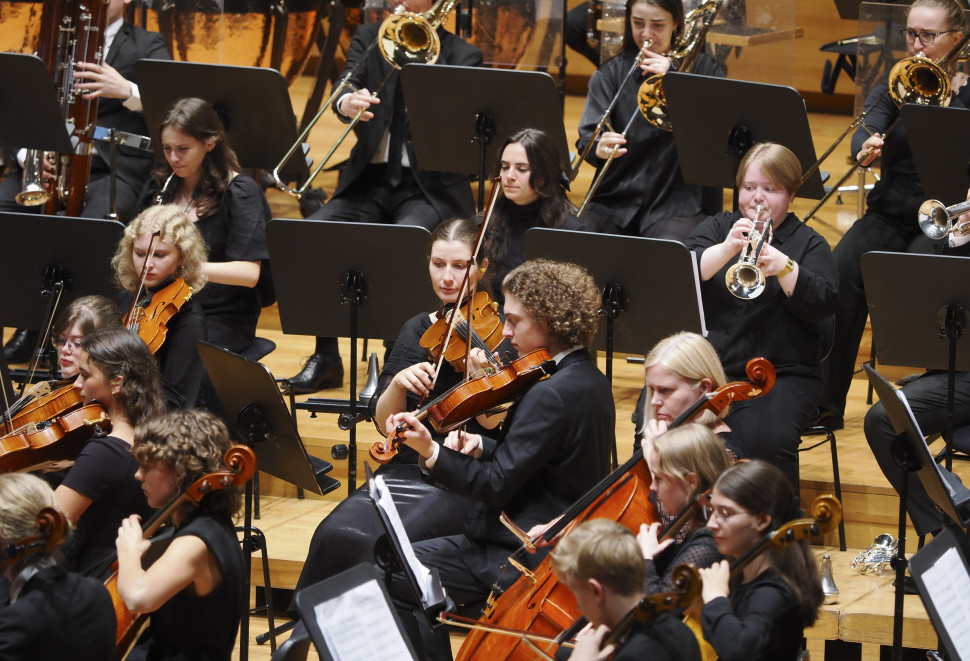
x=561 y=295
x=177 y=231
x=192 y=443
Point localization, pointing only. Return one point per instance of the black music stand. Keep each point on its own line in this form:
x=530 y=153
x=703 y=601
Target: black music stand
x=918 y=326
x=32 y=118
x=368 y=286
x=710 y=145
x=478 y=114
x=260 y=126
x=630 y=268
x=912 y=454
x=940 y=141
x=258 y=416
x=54 y=256
x=942 y=577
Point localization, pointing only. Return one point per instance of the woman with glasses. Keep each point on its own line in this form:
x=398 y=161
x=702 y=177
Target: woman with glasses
x=171 y=245
x=933 y=28
x=80 y=318
x=761 y=612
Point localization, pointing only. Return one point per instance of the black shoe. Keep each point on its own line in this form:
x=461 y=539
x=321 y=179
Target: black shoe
x=20 y=346
x=833 y=421
x=320 y=372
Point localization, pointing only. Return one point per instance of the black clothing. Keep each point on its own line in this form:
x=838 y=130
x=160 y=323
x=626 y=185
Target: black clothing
x=699 y=550
x=788 y=331
x=187 y=627
x=889 y=224
x=367 y=192
x=236 y=231
x=58 y=615
x=178 y=358
x=760 y=620
x=643 y=193
x=516 y=220
x=575 y=35
x=667 y=639
x=104 y=471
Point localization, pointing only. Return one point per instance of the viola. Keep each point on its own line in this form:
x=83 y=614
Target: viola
x=486 y=331
x=52 y=530
x=241 y=464
x=471 y=398
x=41 y=404
x=52 y=443
x=150 y=319
x=537 y=602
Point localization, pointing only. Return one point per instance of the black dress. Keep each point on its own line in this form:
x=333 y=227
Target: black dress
x=192 y=628
x=104 y=471
x=667 y=639
x=58 y=615
x=698 y=549
x=178 y=358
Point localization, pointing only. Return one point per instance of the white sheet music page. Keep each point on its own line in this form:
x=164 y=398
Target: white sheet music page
x=697 y=287
x=948 y=586
x=341 y=621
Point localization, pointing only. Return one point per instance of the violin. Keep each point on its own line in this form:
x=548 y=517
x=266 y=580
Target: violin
x=241 y=463
x=150 y=319
x=471 y=398
x=537 y=602
x=41 y=403
x=486 y=331
x=52 y=530
x=49 y=444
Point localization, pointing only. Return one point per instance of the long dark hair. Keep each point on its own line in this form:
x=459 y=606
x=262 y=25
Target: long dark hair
x=546 y=180
x=761 y=488
x=120 y=352
x=674 y=7
x=197 y=118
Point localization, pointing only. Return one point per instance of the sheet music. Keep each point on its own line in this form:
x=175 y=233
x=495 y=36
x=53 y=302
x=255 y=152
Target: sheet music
x=948 y=588
x=340 y=621
x=697 y=287
x=431 y=591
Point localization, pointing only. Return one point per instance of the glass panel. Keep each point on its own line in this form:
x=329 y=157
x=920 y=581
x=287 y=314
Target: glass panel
x=21 y=26
x=876 y=55
x=755 y=40
x=520 y=34
x=611 y=28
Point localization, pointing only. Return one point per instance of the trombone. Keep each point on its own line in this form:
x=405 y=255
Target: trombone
x=936 y=220
x=915 y=79
x=744 y=279
x=403 y=38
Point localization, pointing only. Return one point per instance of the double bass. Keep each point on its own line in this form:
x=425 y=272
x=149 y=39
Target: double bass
x=538 y=603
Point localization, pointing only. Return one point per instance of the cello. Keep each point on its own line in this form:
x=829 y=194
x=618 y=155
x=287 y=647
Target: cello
x=537 y=602
x=241 y=465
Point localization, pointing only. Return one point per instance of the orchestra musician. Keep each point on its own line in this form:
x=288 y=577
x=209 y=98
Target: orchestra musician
x=347 y=535
x=684 y=463
x=177 y=251
x=600 y=563
x=760 y=614
x=532 y=196
x=787 y=323
x=381 y=181
x=552 y=448
x=51 y=613
x=643 y=193
x=117 y=371
x=193 y=591
x=80 y=318
x=933 y=28
x=228 y=208
x=120 y=108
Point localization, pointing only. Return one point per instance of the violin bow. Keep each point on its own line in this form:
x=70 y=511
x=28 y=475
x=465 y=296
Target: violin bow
x=141 y=279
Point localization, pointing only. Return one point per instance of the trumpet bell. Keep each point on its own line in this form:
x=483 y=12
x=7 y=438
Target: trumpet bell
x=745 y=280
x=408 y=38
x=934 y=221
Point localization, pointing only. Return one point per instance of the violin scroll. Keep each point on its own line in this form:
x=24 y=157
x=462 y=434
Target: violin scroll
x=826 y=511
x=52 y=530
x=762 y=375
x=383 y=451
x=241 y=462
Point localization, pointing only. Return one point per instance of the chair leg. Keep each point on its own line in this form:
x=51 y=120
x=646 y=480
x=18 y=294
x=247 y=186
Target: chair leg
x=256 y=542
x=838 y=486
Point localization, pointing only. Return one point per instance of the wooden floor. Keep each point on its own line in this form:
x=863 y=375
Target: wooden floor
x=870 y=503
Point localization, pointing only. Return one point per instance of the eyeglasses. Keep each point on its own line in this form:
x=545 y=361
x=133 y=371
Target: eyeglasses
x=60 y=342
x=925 y=38
x=721 y=513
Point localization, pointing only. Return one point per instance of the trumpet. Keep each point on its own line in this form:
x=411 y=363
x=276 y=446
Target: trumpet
x=744 y=279
x=403 y=38
x=34 y=191
x=936 y=220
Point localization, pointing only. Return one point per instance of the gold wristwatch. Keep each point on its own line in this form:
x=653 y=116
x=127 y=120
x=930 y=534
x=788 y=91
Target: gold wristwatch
x=789 y=267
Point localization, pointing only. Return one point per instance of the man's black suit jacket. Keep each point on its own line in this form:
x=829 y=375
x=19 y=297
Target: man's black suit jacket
x=449 y=193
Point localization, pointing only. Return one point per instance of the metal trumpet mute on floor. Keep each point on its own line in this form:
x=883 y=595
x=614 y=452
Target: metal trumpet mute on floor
x=936 y=220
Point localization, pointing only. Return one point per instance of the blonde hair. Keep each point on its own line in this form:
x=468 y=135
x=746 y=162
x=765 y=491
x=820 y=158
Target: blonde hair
x=692 y=449
x=22 y=497
x=603 y=550
x=693 y=358
x=777 y=162
x=176 y=230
